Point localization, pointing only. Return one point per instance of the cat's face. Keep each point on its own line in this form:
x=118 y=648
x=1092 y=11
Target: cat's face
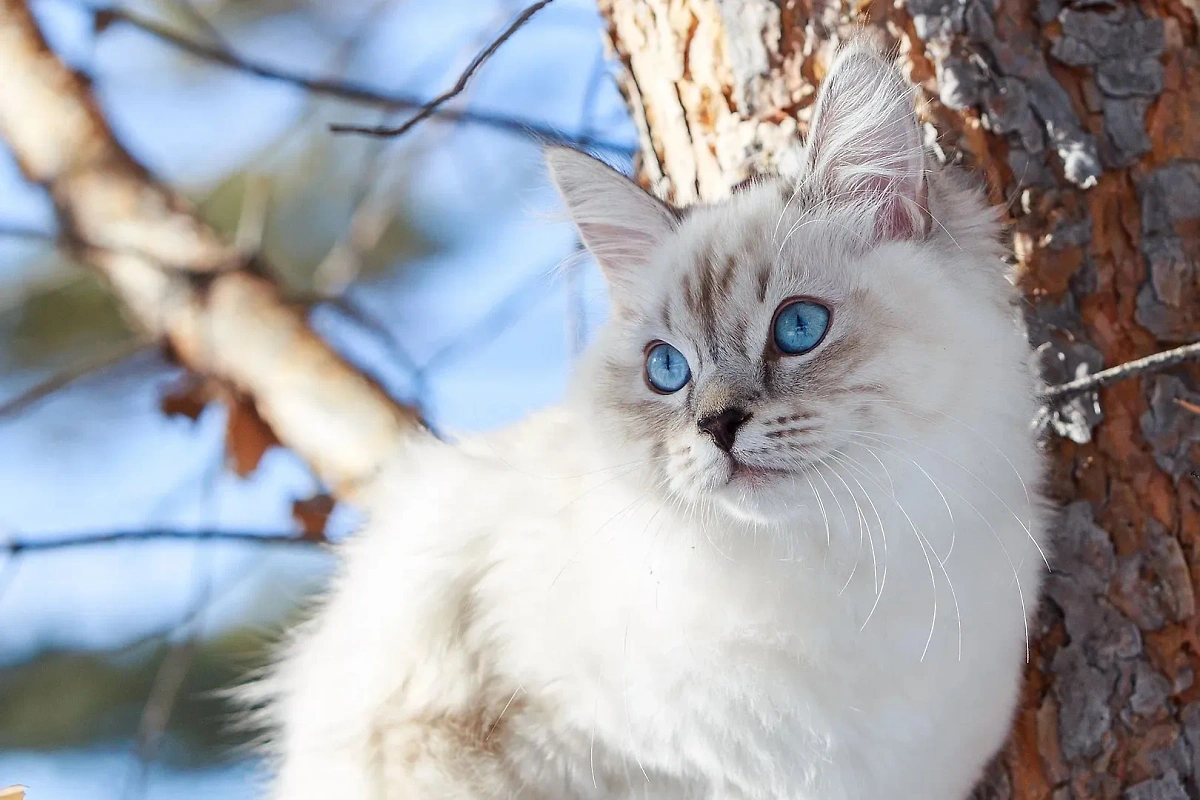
x=754 y=339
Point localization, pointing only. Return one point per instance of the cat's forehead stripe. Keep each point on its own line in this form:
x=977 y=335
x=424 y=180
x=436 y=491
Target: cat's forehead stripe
x=715 y=290
x=764 y=278
x=698 y=293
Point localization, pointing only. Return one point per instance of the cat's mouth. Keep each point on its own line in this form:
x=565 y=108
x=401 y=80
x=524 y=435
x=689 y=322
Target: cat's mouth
x=752 y=475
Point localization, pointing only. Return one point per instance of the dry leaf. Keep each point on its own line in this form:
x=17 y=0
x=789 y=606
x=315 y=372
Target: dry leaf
x=102 y=20
x=187 y=398
x=247 y=436
x=313 y=514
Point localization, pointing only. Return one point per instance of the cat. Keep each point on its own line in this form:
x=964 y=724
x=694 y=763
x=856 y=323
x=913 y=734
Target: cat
x=781 y=540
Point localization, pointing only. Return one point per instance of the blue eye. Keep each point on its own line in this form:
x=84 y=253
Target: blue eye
x=800 y=326
x=666 y=368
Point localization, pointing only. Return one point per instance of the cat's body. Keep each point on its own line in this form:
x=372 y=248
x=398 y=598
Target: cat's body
x=813 y=593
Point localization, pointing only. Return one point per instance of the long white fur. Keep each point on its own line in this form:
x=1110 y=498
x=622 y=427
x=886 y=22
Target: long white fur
x=574 y=608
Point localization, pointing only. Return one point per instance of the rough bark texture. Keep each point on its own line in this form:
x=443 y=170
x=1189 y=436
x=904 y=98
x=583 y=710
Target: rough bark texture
x=177 y=279
x=1083 y=118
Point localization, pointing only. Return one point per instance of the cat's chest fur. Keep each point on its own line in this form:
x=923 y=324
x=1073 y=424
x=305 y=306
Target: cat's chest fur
x=675 y=660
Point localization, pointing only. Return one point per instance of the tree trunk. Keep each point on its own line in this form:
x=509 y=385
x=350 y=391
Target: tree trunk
x=1083 y=119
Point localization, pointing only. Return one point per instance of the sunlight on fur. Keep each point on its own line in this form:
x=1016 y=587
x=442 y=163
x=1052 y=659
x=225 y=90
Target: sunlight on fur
x=782 y=540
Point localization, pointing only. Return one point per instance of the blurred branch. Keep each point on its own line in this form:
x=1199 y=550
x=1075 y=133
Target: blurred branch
x=198 y=17
x=1130 y=369
x=345 y=90
x=62 y=380
x=64 y=698
x=152 y=726
x=375 y=209
x=232 y=325
x=498 y=318
x=430 y=108
x=114 y=203
x=25 y=545
x=22 y=232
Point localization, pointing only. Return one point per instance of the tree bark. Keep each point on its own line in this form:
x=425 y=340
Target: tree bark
x=177 y=279
x=1083 y=119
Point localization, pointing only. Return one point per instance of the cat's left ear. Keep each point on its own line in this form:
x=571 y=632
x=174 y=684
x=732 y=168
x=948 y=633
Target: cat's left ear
x=620 y=223
x=865 y=144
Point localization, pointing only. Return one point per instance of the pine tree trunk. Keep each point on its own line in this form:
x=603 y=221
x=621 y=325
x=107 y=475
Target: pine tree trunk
x=1083 y=119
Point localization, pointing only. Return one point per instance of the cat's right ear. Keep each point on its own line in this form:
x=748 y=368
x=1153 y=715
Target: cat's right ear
x=620 y=223
x=865 y=144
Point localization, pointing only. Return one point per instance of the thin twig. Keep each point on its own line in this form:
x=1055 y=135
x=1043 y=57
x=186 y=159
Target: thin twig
x=170 y=676
x=499 y=317
x=373 y=209
x=432 y=106
x=152 y=726
x=1130 y=369
x=17 y=546
x=346 y=90
x=189 y=8
x=22 y=232
x=576 y=307
x=62 y=380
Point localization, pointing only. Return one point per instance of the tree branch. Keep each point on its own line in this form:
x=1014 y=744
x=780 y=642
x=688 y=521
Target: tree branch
x=349 y=91
x=231 y=325
x=57 y=133
x=430 y=108
x=24 y=232
x=1157 y=362
x=25 y=545
x=61 y=380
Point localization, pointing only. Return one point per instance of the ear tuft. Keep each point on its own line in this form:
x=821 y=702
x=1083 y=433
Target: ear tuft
x=620 y=223
x=865 y=145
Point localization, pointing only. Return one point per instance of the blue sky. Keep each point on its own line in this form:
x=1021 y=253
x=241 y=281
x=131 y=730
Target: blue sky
x=102 y=457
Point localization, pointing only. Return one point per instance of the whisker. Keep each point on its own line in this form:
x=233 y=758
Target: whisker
x=926 y=549
x=588 y=539
x=882 y=532
x=999 y=541
x=625 y=695
x=861 y=522
x=842 y=457
x=900 y=405
x=820 y=505
x=973 y=477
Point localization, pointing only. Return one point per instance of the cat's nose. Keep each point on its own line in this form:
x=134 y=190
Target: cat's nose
x=723 y=426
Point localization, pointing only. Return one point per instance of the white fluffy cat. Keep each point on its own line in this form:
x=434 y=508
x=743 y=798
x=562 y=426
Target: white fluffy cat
x=780 y=542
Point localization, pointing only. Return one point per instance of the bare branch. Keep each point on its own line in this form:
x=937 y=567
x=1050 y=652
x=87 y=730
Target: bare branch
x=164 y=692
x=433 y=105
x=26 y=545
x=23 y=232
x=232 y=325
x=201 y=20
x=80 y=159
x=1130 y=369
x=354 y=92
x=62 y=380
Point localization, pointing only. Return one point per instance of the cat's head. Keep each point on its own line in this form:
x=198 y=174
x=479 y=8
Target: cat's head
x=753 y=338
